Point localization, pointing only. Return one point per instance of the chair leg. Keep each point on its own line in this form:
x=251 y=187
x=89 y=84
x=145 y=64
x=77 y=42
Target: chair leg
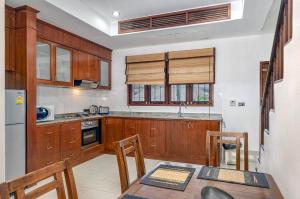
x=246 y=155
x=238 y=154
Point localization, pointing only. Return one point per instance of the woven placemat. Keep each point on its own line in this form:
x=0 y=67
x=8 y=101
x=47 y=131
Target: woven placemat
x=233 y=176
x=170 y=177
x=132 y=197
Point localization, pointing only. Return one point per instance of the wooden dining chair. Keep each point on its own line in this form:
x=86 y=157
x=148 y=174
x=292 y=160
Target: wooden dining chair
x=213 y=141
x=18 y=186
x=3 y=191
x=128 y=146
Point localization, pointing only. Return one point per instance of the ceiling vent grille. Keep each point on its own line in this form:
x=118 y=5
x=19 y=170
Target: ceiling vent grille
x=134 y=25
x=193 y=16
x=169 y=20
x=206 y=15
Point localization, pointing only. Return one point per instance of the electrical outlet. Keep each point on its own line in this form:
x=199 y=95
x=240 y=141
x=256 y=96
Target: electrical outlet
x=241 y=104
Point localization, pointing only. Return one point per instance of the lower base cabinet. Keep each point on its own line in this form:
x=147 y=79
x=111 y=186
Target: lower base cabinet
x=56 y=142
x=174 y=140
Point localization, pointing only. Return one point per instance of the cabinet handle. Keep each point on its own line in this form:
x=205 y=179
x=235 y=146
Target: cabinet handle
x=49 y=147
x=49 y=133
x=70 y=155
x=48 y=163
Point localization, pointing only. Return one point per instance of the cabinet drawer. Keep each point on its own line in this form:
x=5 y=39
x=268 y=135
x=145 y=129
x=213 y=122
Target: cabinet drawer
x=75 y=154
x=48 y=159
x=48 y=139
x=70 y=140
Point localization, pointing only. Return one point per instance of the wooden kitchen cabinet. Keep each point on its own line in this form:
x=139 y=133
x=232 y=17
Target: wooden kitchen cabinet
x=141 y=127
x=113 y=131
x=10 y=34
x=55 y=142
x=53 y=64
x=63 y=66
x=130 y=128
x=157 y=138
x=47 y=145
x=105 y=74
x=70 y=140
x=85 y=66
x=175 y=140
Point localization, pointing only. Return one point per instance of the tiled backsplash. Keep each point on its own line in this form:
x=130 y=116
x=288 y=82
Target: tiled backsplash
x=69 y=100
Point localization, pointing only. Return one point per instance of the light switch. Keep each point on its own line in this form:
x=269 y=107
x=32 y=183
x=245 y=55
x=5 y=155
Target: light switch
x=232 y=103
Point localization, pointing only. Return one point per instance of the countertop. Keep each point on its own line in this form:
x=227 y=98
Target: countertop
x=151 y=115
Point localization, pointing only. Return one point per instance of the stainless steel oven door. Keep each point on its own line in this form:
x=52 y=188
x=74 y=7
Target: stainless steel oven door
x=90 y=136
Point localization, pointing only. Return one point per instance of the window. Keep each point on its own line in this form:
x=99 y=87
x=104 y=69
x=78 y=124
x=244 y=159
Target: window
x=178 y=93
x=157 y=93
x=138 y=93
x=191 y=94
x=200 y=93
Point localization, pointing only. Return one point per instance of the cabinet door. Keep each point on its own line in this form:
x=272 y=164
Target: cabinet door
x=105 y=74
x=10 y=49
x=143 y=129
x=130 y=127
x=71 y=140
x=81 y=71
x=113 y=132
x=43 y=61
x=176 y=140
x=48 y=145
x=157 y=137
x=63 y=69
x=93 y=68
x=196 y=134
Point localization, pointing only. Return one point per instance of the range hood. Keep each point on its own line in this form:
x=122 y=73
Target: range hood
x=86 y=84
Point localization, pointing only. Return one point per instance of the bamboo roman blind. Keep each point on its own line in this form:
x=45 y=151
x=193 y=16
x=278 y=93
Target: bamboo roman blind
x=192 y=66
x=146 y=69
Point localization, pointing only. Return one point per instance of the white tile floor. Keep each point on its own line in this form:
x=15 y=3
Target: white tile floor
x=99 y=177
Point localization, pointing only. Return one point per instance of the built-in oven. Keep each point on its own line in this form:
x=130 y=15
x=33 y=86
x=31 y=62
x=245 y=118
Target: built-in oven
x=90 y=132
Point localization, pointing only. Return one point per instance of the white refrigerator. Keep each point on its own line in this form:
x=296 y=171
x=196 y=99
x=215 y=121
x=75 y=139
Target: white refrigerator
x=15 y=134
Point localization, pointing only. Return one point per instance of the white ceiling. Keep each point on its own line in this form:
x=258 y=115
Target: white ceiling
x=93 y=19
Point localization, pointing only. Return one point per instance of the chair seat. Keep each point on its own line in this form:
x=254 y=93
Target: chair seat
x=214 y=193
x=230 y=146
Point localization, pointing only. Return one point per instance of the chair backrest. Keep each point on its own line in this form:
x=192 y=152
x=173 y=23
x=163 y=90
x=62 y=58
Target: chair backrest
x=214 y=140
x=18 y=186
x=128 y=146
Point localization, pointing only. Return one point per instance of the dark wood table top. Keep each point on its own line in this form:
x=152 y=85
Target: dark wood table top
x=193 y=190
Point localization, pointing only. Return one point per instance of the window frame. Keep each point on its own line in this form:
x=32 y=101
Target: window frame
x=189 y=97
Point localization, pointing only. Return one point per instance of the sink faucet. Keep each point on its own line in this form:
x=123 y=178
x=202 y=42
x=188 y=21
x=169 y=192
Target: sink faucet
x=180 y=109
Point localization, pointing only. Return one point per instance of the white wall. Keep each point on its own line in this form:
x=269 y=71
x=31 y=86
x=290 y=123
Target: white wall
x=237 y=77
x=2 y=98
x=70 y=100
x=281 y=156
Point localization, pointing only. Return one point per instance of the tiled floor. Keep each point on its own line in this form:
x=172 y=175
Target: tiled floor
x=99 y=177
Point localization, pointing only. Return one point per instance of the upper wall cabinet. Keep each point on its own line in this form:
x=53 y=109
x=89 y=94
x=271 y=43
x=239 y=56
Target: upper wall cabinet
x=43 y=61
x=63 y=57
x=54 y=64
x=105 y=74
x=63 y=65
x=85 y=66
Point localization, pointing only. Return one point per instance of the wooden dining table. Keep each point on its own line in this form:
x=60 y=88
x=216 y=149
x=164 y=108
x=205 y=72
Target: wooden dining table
x=193 y=189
